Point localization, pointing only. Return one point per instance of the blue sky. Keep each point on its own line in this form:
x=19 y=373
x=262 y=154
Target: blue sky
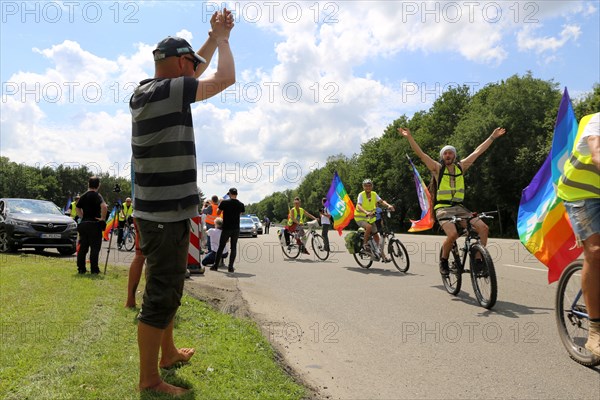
x=314 y=78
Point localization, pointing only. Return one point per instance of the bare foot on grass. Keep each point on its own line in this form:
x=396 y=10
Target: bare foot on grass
x=164 y=387
x=182 y=356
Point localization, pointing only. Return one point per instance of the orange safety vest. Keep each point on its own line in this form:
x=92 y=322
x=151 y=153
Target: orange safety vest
x=210 y=218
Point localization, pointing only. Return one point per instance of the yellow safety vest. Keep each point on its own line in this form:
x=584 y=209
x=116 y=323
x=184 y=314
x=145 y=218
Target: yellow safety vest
x=73 y=209
x=447 y=195
x=369 y=204
x=126 y=212
x=294 y=215
x=580 y=179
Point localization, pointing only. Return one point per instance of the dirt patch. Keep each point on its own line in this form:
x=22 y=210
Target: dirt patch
x=228 y=299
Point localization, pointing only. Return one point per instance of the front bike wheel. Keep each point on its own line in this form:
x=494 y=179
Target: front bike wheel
x=571 y=315
x=318 y=246
x=399 y=255
x=483 y=276
x=130 y=241
x=453 y=281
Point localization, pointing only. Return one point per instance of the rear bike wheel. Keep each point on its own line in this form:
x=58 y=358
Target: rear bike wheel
x=571 y=315
x=318 y=246
x=483 y=276
x=453 y=281
x=291 y=250
x=399 y=256
x=130 y=240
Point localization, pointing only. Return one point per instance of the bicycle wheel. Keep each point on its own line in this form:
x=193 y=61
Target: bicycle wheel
x=130 y=240
x=318 y=246
x=453 y=281
x=483 y=276
x=572 y=325
x=399 y=256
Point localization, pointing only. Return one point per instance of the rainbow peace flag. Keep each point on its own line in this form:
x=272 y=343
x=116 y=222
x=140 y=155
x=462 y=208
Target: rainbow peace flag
x=543 y=224
x=67 y=209
x=111 y=223
x=426 y=222
x=339 y=204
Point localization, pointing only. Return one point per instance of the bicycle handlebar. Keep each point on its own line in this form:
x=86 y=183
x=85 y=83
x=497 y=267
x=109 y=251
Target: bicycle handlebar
x=485 y=214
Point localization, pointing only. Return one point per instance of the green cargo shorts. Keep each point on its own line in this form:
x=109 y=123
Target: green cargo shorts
x=165 y=246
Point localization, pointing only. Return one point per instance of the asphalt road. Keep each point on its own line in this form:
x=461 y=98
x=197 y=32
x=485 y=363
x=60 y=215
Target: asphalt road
x=352 y=333
x=381 y=334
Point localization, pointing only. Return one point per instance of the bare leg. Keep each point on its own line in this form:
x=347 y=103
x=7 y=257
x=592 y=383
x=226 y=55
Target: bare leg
x=171 y=355
x=482 y=230
x=149 y=342
x=451 y=236
x=135 y=274
x=590 y=275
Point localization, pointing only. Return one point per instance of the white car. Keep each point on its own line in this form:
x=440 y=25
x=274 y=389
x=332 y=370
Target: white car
x=257 y=223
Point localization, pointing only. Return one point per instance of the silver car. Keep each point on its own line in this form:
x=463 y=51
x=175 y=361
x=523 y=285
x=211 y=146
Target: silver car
x=39 y=224
x=247 y=227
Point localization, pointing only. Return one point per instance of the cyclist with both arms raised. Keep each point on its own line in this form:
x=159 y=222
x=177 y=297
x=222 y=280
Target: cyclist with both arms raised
x=448 y=174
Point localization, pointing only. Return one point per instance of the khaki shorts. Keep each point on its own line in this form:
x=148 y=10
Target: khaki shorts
x=364 y=224
x=449 y=212
x=165 y=246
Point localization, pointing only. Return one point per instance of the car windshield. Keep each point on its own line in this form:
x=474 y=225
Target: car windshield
x=25 y=206
x=246 y=221
x=255 y=219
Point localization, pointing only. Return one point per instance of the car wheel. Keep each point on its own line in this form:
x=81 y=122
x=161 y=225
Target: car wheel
x=5 y=247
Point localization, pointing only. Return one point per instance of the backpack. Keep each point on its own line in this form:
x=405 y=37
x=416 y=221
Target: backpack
x=352 y=242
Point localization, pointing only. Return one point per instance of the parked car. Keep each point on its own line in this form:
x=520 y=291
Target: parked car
x=257 y=223
x=247 y=227
x=38 y=224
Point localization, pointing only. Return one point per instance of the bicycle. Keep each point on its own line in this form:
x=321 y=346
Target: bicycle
x=483 y=278
x=292 y=250
x=128 y=237
x=395 y=248
x=572 y=318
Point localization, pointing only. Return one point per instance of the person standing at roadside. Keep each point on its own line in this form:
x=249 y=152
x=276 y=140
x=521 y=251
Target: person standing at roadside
x=166 y=191
x=325 y=223
x=231 y=209
x=91 y=210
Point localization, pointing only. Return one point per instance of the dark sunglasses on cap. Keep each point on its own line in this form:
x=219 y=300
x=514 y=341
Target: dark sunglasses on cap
x=193 y=61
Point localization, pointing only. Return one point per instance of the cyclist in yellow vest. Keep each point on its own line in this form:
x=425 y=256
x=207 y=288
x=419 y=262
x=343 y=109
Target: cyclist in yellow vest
x=297 y=217
x=579 y=187
x=73 y=213
x=451 y=189
x=364 y=213
x=125 y=216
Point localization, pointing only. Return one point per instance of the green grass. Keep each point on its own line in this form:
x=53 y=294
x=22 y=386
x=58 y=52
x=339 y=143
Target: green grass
x=65 y=336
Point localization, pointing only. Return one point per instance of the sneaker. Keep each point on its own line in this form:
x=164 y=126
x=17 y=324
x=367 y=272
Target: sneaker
x=231 y=269
x=214 y=268
x=304 y=251
x=444 y=269
x=593 y=342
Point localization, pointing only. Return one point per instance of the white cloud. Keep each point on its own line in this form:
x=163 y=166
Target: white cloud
x=527 y=41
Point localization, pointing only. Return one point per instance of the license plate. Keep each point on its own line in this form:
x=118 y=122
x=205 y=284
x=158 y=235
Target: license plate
x=51 y=236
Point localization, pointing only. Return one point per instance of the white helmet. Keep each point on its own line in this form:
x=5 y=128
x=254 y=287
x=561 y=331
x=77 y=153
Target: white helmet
x=448 y=147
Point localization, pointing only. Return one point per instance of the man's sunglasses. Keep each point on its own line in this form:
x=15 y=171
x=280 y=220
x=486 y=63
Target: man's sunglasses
x=193 y=61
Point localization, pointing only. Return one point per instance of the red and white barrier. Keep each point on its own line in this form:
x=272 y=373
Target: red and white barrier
x=194 y=255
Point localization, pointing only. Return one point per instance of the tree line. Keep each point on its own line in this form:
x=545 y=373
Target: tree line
x=524 y=105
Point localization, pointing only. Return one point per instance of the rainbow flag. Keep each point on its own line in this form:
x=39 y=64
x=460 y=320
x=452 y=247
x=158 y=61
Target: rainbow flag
x=543 y=224
x=426 y=222
x=339 y=204
x=67 y=209
x=111 y=223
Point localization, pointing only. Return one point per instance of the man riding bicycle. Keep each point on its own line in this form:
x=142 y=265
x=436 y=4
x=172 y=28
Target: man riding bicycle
x=579 y=187
x=364 y=213
x=296 y=218
x=448 y=173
